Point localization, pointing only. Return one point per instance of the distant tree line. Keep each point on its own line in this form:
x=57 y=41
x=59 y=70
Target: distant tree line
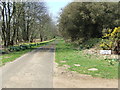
x=84 y=20
x=24 y=22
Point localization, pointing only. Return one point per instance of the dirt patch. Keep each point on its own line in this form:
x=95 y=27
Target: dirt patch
x=63 y=78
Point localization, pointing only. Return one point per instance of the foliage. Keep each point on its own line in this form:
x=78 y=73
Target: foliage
x=85 y=20
x=4 y=51
x=24 y=22
x=110 y=39
x=90 y=43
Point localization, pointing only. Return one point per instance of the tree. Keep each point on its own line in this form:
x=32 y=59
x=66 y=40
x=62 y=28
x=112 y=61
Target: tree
x=24 y=22
x=84 y=20
x=7 y=14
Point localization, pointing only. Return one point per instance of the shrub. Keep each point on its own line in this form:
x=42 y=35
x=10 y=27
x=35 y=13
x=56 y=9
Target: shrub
x=23 y=47
x=4 y=51
x=110 y=39
x=90 y=43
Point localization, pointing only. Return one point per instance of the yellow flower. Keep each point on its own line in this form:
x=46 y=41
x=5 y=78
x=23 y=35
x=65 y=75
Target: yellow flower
x=102 y=45
x=109 y=30
x=118 y=29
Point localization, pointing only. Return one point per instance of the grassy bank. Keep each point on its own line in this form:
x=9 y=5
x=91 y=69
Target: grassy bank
x=77 y=61
x=16 y=54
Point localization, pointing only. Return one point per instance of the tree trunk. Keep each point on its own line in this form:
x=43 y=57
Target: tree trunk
x=41 y=38
x=3 y=26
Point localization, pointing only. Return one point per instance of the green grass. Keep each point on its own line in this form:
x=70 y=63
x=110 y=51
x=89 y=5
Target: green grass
x=16 y=54
x=12 y=56
x=66 y=52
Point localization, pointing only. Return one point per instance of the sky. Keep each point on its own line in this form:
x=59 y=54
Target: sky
x=54 y=7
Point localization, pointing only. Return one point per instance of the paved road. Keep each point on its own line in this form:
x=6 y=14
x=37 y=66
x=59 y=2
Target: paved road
x=33 y=70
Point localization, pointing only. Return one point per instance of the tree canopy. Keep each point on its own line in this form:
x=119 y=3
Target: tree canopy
x=83 y=20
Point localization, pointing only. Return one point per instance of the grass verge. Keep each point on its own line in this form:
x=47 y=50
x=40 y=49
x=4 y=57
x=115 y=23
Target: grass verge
x=16 y=54
x=67 y=55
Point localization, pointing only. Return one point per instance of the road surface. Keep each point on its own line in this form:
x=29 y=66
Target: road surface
x=32 y=70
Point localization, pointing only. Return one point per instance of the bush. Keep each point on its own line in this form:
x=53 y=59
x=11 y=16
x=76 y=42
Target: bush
x=90 y=43
x=14 y=48
x=110 y=39
x=4 y=51
x=23 y=47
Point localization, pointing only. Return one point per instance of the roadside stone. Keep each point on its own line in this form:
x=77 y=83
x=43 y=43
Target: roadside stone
x=77 y=65
x=63 y=61
x=66 y=66
x=93 y=69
